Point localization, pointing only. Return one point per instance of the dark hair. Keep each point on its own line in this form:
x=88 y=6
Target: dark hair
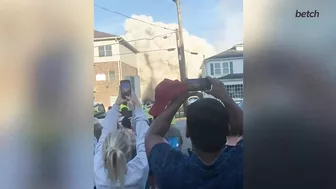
x=208 y=124
x=110 y=107
x=126 y=122
x=124 y=111
x=97 y=130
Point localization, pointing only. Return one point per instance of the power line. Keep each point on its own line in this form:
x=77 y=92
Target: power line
x=153 y=50
x=118 y=13
x=141 y=39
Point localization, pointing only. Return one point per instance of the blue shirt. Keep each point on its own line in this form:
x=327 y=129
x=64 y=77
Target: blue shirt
x=172 y=169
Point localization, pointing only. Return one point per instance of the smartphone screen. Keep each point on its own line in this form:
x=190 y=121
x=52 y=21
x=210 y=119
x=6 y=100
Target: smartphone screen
x=174 y=142
x=125 y=88
x=202 y=84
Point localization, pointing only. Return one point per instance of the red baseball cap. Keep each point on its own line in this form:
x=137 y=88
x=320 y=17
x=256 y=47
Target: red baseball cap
x=165 y=92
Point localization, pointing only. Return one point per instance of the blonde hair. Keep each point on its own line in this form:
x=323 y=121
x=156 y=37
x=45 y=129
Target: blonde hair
x=117 y=151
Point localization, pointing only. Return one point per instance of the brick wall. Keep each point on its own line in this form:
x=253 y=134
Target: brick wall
x=128 y=70
x=105 y=89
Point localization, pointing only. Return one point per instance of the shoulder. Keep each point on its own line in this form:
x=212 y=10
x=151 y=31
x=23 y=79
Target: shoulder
x=236 y=150
x=164 y=157
x=233 y=157
x=240 y=144
x=173 y=132
x=159 y=151
x=164 y=162
x=137 y=171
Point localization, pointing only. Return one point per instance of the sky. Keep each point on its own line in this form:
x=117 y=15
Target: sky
x=218 y=22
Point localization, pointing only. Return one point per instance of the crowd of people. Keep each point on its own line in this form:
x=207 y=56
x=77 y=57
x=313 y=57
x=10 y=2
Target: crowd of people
x=138 y=149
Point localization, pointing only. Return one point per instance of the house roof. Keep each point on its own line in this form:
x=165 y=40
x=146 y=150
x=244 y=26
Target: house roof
x=128 y=45
x=99 y=36
x=230 y=53
x=232 y=76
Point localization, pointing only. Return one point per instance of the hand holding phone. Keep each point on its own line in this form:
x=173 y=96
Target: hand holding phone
x=218 y=90
x=128 y=94
x=125 y=89
x=202 y=84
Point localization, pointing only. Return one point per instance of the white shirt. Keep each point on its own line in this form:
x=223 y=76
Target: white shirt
x=94 y=144
x=137 y=168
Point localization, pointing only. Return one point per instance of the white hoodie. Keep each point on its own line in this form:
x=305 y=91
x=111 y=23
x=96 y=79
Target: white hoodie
x=137 y=168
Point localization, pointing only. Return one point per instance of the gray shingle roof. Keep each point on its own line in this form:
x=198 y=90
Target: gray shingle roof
x=233 y=76
x=230 y=53
x=99 y=34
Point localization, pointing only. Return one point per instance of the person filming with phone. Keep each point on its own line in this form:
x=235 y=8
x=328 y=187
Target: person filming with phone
x=211 y=164
x=120 y=159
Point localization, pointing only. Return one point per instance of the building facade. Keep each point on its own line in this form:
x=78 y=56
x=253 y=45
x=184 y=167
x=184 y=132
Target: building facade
x=227 y=66
x=114 y=60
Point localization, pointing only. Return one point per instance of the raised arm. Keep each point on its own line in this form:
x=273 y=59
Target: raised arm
x=137 y=168
x=235 y=112
x=141 y=124
x=110 y=123
x=141 y=128
x=161 y=124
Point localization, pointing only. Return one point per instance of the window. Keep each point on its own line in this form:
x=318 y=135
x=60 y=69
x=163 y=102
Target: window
x=235 y=91
x=225 y=68
x=220 y=68
x=100 y=77
x=217 y=69
x=105 y=50
x=111 y=75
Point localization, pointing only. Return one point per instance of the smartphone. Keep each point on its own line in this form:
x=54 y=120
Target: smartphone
x=125 y=88
x=174 y=142
x=202 y=84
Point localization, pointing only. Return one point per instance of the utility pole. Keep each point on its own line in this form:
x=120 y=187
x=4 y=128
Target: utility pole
x=180 y=48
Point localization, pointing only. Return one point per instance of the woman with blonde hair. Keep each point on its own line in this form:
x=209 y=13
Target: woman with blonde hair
x=120 y=159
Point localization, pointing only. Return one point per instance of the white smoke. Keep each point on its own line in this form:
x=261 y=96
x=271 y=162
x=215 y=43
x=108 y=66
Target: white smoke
x=230 y=16
x=156 y=65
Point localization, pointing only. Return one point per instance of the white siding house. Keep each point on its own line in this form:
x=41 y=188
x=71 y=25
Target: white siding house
x=110 y=48
x=227 y=66
x=114 y=60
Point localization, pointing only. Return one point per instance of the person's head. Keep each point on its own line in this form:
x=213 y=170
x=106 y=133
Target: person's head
x=110 y=107
x=124 y=111
x=97 y=128
x=118 y=149
x=207 y=125
x=126 y=123
x=148 y=104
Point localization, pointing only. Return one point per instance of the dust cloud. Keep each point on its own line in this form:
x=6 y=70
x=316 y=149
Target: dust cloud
x=230 y=14
x=155 y=62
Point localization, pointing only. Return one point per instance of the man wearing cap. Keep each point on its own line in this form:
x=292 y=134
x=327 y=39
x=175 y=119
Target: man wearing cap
x=173 y=131
x=123 y=106
x=173 y=134
x=211 y=163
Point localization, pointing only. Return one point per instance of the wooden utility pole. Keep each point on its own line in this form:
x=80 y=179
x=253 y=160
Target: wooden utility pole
x=180 y=49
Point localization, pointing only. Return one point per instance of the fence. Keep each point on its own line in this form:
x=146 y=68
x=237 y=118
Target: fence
x=180 y=113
